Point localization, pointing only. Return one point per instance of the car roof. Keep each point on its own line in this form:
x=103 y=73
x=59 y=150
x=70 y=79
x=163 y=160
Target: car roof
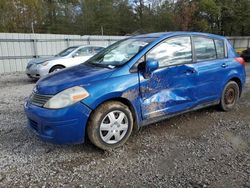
x=175 y=33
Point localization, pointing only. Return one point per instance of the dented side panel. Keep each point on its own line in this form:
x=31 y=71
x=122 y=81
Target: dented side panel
x=168 y=90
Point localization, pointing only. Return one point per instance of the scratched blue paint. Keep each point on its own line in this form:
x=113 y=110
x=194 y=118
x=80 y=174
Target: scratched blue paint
x=164 y=96
x=167 y=91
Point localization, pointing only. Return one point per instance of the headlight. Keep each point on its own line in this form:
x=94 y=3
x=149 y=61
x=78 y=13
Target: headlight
x=67 y=97
x=45 y=63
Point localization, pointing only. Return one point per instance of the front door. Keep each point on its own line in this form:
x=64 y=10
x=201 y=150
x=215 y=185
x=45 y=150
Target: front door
x=171 y=88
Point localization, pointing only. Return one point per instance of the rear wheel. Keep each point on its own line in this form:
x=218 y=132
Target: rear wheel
x=110 y=125
x=230 y=96
x=56 y=68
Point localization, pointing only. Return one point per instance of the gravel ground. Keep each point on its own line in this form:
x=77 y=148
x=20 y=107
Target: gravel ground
x=205 y=148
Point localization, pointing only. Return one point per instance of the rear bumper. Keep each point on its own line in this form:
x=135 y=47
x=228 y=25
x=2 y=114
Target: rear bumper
x=62 y=126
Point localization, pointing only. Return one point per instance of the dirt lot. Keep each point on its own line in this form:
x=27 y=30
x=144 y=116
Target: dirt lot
x=206 y=148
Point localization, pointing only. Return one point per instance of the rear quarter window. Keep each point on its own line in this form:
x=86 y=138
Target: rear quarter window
x=220 y=48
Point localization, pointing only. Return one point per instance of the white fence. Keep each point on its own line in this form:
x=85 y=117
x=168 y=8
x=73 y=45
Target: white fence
x=240 y=42
x=16 y=49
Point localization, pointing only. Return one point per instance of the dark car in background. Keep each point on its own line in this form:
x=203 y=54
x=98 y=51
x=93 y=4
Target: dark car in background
x=246 y=55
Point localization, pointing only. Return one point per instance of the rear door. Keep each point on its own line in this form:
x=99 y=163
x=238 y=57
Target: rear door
x=171 y=88
x=211 y=66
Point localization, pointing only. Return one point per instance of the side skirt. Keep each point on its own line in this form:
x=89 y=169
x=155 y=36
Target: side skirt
x=163 y=117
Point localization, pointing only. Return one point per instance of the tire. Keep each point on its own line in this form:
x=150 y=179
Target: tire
x=230 y=96
x=56 y=68
x=106 y=130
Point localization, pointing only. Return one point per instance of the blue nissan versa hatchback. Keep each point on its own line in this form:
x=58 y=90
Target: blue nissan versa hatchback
x=135 y=82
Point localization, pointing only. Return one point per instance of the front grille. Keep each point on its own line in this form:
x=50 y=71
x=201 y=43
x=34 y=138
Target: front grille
x=39 y=100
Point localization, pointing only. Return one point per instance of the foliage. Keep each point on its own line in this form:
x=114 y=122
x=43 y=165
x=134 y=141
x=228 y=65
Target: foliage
x=121 y=17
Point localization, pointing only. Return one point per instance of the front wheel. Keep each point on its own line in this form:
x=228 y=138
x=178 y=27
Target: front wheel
x=230 y=96
x=110 y=125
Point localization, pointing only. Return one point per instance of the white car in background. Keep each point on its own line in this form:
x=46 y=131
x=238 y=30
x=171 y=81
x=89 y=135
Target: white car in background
x=69 y=57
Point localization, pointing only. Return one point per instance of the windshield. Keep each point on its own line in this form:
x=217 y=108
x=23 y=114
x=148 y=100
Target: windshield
x=66 y=51
x=120 y=52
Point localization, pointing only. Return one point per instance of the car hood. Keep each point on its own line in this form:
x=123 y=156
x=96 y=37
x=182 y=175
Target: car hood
x=43 y=59
x=80 y=75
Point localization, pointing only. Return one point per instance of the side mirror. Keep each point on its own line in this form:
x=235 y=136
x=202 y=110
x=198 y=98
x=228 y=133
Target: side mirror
x=150 y=66
x=75 y=54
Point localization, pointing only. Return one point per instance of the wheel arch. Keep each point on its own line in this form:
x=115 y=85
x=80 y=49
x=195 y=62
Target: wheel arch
x=238 y=81
x=59 y=65
x=127 y=103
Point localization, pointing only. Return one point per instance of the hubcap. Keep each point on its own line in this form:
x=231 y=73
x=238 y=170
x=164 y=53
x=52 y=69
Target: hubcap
x=230 y=96
x=114 y=127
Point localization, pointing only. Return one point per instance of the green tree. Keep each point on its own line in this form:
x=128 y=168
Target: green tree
x=184 y=14
x=120 y=17
x=207 y=15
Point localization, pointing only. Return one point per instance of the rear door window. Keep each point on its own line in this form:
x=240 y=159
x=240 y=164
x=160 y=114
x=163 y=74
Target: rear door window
x=204 y=48
x=220 y=48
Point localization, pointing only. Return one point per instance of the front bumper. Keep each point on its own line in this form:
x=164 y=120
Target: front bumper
x=61 y=126
x=36 y=71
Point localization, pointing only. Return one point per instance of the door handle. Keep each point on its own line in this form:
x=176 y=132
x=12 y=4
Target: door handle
x=224 y=65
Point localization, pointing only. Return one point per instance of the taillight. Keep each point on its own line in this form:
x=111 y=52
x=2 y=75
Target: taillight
x=240 y=60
